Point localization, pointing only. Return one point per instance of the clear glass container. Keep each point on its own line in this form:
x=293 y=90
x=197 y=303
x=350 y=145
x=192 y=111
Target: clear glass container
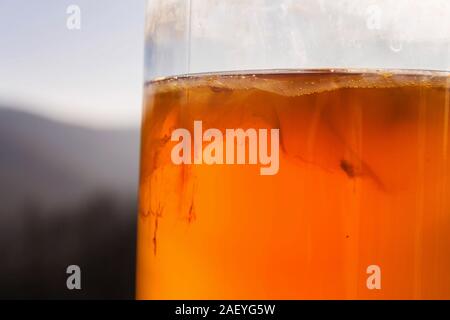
x=295 y=150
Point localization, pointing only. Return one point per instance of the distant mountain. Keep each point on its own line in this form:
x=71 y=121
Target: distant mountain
x=53 y=163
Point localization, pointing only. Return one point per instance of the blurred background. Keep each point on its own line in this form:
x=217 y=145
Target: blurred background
x=71 y=80
x=70 y=105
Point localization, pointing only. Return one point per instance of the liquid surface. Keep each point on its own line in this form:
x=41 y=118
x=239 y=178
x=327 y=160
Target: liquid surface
x=363 y=181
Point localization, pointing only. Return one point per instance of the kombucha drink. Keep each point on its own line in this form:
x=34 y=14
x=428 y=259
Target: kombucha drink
x=358 y=206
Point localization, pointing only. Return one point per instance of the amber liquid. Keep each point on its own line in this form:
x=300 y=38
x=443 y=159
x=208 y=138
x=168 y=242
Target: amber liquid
x=363 y=180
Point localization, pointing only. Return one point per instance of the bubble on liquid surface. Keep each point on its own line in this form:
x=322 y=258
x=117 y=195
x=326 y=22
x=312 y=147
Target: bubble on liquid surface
x=286 y=82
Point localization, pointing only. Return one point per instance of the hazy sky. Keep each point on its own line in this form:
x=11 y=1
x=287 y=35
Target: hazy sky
x=91 y=76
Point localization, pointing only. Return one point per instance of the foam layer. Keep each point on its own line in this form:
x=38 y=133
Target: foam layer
x=296 y=83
